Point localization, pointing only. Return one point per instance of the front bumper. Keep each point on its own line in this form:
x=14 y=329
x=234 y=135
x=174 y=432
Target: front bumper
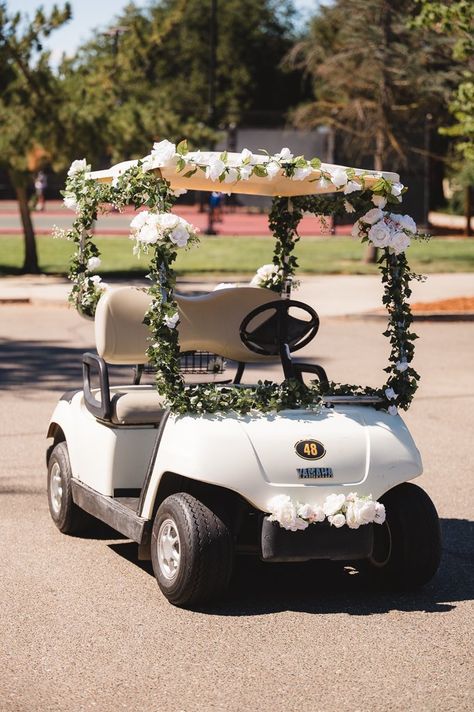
x=318 y=541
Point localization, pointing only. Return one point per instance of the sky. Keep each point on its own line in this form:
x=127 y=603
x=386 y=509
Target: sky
x=90 y=16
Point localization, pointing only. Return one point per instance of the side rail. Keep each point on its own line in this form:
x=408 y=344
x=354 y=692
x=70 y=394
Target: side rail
x=99 y=408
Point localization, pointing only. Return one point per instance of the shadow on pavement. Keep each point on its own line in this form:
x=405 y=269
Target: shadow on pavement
x=49 y=365
x=330 y=587
x=40 y=365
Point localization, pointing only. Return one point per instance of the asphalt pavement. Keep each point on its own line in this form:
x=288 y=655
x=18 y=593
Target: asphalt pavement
x=85 y=627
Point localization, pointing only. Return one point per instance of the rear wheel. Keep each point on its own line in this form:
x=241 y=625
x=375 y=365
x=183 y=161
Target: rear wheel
x=191 y=551
x=407 y=547
x=67 y=516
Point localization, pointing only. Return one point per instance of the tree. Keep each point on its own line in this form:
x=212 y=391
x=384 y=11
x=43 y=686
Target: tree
x=152 y=80
x=374 y=79
x=29 y=101
x=455 y=19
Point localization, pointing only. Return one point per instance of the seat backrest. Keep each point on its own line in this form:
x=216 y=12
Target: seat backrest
x=209 y=322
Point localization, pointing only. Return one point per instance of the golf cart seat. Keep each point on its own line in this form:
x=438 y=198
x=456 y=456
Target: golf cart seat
x=210 y=322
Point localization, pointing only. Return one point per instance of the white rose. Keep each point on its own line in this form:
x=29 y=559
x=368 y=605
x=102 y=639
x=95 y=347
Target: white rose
x=401 y=366
x=179 y=236
x=148 y=234
x=380 y=235
x=163 y=153
x=351 y=516
x=351 y=187
x=70 y=201
x=380 y=514
x=339 y=177
x=348 y=207
x=272 y=169
x=396 y=189
x=283 y=511
x=365 y=511
x=406 y=222
x=324 y=182
x=284 y=155
x=302 y=173
x=78 y=166
x=372 y=216
x=171 y=321
x=390 y=394
x=246 y=155
x=333 y=503
x=214 y=168
x=93 y=263
x=167 y=220
x=245 y=172
x=139 y=220
x=337 y=520
x=312 y=514
x=379 y=201
x=231 y=176
x=399 y=241
x=392 y=410
x=318 y=514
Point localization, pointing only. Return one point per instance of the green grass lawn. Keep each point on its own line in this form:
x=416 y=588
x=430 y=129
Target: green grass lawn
x=227 y=255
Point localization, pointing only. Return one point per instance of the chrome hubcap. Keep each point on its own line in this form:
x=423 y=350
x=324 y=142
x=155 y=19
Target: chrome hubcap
x=169 y=549
x=56 y=485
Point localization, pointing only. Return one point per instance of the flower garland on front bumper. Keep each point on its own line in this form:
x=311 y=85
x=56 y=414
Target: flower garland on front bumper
x=160 y=233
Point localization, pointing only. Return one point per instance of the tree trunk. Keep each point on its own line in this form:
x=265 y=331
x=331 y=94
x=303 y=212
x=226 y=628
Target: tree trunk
x=30 y=263
x=468 y=211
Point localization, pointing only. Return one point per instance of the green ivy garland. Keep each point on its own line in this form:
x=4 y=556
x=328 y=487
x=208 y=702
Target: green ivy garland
x=139 y=187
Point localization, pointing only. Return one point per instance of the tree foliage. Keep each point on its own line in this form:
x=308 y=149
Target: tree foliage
x=29 y=100
x=455 y=19
x=374 y=78
x=152 y=80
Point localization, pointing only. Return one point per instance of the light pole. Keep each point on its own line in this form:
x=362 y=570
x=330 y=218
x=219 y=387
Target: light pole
x=212 y=95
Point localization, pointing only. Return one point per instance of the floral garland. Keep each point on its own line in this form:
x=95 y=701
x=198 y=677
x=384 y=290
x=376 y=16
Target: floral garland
x=162 y=234
x=339 y=509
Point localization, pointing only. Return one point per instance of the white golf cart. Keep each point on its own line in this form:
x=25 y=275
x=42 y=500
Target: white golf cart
x=196 y=474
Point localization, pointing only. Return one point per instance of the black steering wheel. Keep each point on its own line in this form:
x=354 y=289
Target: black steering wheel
x=280 y=328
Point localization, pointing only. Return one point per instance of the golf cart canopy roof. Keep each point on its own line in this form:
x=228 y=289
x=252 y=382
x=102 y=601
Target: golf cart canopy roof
x=276 y=185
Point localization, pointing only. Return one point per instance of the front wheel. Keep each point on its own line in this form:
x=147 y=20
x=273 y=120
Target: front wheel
x=67 y=516
x=407 y=547
x=191 y=551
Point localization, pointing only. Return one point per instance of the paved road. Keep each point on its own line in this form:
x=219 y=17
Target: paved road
x=84 y=626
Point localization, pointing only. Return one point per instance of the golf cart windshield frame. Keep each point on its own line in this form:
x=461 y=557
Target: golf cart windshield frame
x=299 y=186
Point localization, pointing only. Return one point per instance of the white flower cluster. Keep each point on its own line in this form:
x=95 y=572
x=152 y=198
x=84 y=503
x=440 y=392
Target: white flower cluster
x=339 y=509
x=149 y=228
x=386 y=229
x=266 y=276
x=231 y=168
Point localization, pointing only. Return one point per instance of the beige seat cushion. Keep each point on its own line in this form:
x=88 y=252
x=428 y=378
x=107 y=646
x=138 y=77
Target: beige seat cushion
x=209 y=322
x=137 y=405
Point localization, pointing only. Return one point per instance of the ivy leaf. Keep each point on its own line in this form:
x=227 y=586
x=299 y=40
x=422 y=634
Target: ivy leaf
x=260 y=171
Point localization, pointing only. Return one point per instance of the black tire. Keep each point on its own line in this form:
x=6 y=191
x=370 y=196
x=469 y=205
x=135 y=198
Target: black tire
x=201 y=557
x=67 y=516
x=407 y=547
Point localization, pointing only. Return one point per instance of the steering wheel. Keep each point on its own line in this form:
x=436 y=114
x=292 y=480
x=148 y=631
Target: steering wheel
x=279 y=328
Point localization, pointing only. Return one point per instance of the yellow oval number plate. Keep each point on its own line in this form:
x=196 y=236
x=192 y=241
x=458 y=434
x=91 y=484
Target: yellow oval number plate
x=310 y=449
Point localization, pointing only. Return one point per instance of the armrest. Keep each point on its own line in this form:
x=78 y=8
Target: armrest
x=99 y=408
x=300 y=368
